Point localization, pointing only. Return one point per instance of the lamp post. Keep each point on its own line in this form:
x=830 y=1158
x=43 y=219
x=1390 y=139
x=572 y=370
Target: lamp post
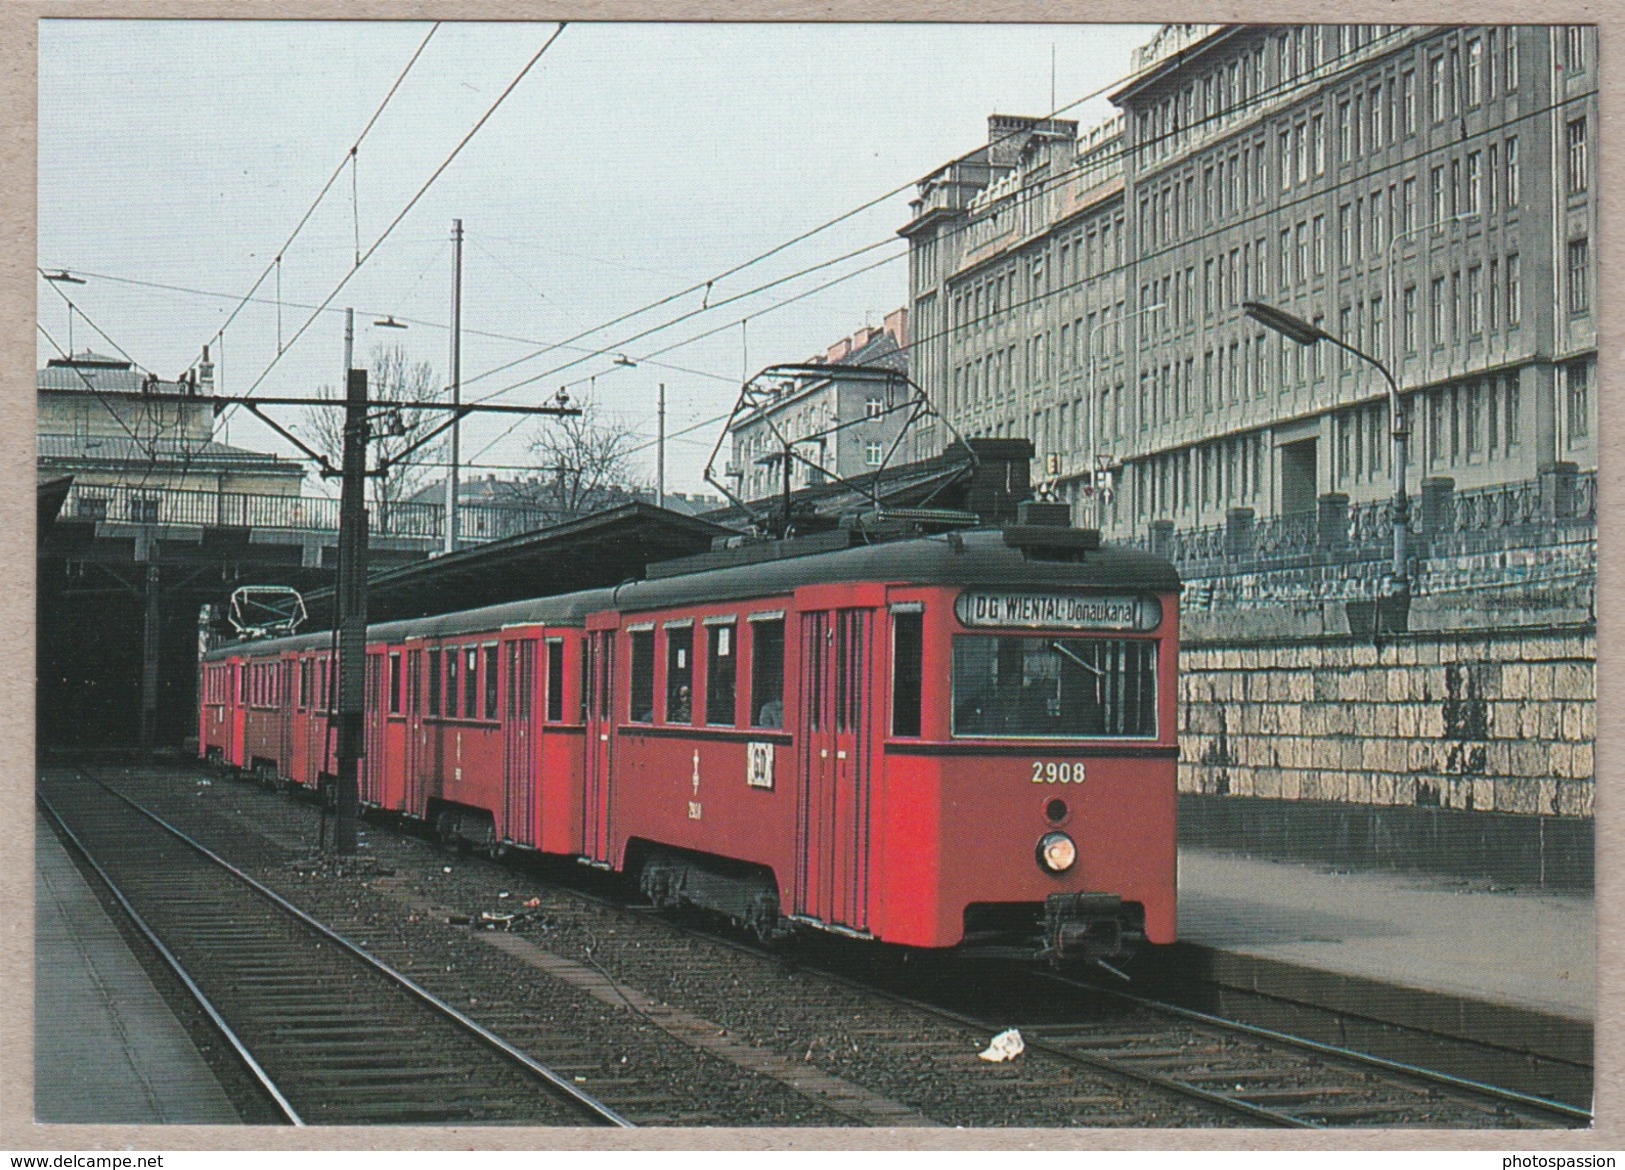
x=1094 y=407
x=1301 y=331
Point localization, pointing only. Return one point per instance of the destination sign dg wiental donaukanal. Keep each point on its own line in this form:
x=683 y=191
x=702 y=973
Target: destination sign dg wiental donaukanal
x=1058 y=611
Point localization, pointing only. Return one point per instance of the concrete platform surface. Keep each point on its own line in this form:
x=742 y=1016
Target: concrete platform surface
x=1526 y=950
x=107 y=1048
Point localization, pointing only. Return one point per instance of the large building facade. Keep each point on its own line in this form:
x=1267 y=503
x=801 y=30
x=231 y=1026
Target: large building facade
x=1424 y=194
x=839 y=424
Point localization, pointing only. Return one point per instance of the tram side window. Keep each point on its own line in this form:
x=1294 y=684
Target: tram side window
x=907 y=669
x=471 y=683
x=451 y=683
x=395 y=683
x=720 y=658
x=555 y=681
x=767 y=673
x=491 y=682
x=434 y=682
x=680 y=675
x=1054 y=688
x=642 y=703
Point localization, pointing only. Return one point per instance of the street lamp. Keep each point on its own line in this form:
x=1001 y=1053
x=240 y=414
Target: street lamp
x=1094 y=407
x=1301 y=331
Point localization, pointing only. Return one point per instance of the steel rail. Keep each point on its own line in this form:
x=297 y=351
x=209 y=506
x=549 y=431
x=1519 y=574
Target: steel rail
x=589 y=1104
x=238 y=1048
x=1449 y=1080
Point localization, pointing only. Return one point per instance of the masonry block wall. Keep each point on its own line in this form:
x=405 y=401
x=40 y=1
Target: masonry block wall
x=1415 y=752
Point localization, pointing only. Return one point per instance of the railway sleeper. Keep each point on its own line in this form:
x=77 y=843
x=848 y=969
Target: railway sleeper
x=746 y=894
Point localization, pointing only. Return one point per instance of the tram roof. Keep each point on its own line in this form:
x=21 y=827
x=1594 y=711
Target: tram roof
x=982 y=558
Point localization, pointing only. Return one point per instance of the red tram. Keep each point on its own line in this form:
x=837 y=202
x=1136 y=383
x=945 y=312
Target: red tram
x=964 y=740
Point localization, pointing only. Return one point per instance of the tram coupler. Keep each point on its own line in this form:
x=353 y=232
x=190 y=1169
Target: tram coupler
x=1088 y=927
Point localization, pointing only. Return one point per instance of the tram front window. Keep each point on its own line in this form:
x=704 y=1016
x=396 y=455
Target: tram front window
x=1054 y=687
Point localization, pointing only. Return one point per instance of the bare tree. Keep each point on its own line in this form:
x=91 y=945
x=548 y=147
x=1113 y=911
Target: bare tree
x=584 y=462
x=393 y=377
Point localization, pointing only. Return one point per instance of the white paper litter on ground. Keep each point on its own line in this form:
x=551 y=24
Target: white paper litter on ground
x=1005 y=1046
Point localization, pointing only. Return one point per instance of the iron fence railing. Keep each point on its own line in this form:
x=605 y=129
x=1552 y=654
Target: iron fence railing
x=135 y=504
x=1529 y=513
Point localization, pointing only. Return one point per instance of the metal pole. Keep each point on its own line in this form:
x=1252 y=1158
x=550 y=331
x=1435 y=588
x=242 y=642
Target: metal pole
x=1399 y=419
x=456 y=377
x=151 y=642
x=349 y=341
x=660 y=452
x=352 y=611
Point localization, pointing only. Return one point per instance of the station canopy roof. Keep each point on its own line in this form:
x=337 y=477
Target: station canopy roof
x=603 y=549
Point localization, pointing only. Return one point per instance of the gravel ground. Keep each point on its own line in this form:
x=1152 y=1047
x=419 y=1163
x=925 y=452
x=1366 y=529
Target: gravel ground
x=670 y=1028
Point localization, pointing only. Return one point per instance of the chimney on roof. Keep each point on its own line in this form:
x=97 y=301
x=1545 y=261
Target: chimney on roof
x=205 y=373
x=839 y=350
x=897 y=326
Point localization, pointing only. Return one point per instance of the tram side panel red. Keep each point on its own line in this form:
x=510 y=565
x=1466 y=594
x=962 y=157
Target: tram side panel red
x=688 y=785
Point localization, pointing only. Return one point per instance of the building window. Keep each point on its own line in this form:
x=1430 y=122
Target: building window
x=871 y=454
x=1514 y=292
x=1317 y=143
x=1475 y=300
x=1410 y=318
x=1407 y=102
x=1473 y=179
x=1436 y=98
x=1319 y=232
x=1510 y=413
x=1436 y=194
x=1436 y=312
x=1514 y=188
x=873 y=408
x=1475 y=72
x=1511 y=69
x=1574 y=48
x=1577 y=379
x=144 y=510
x=1577 y=156
x=1579 y=275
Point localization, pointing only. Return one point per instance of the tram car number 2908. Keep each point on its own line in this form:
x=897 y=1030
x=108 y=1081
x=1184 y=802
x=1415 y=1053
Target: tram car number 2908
x=1053 y=772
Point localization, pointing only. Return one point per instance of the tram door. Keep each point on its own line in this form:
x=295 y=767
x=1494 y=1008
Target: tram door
x=597 y=699
x=239 y=715
x=285 y=703
x=832 y=813
x=416 y=748
x=517 y=747
x=372 y=737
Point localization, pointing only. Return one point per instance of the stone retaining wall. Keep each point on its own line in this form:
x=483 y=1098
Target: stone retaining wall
x=1495 y=722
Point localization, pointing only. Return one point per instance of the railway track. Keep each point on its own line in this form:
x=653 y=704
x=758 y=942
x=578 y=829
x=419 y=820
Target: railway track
x=1219 y=1072
x=1284 y=1080
x=1263 y=1076
x=330 y=1034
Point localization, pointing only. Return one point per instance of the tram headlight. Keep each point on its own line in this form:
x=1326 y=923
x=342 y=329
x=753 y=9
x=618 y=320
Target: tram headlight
x=1056 y=852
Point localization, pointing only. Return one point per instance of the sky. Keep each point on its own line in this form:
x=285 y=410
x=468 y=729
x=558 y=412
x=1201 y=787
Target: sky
x=632 y=162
